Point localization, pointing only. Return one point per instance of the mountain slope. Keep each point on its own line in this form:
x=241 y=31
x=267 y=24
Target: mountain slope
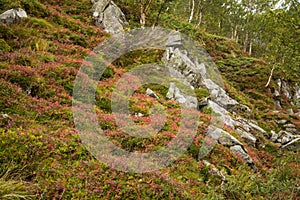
x=39 y=59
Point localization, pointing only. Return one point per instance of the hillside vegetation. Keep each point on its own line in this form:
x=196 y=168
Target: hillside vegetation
x=41 y=154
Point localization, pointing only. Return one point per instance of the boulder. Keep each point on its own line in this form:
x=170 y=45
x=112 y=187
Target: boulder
x=223 y=137
x=108 y=15
x=150 y=93
x=12 y=16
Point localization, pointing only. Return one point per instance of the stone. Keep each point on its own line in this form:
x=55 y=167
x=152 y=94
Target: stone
x=108 y=15
x=12 y=16
x=290 y=111
x=223 y=137
x=219 y=95
x=285 y=88
x=274 y=136
x=203 y=103
x=138 y=115
x=285 y=137
x=283 y=121
x=257 y=128
x=174 y=41
x=239 y=151
x=150 y=93
x=289 y=126
x=247 y=137
x=175 y=94
x=293 y=130
x=223 y=115
x=293 y=145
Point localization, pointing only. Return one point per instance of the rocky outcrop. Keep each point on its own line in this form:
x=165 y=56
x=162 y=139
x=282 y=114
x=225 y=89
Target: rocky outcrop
x=290 y=91
x=185 y=67
x=108 y=15
x=12 y=16
x=175 y=94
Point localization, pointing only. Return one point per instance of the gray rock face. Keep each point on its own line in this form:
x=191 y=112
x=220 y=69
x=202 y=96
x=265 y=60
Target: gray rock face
x=175 y=94
x=108 y=15
x=291 y=92
x=174 y=41
x=185 y=67
x=12 y=16
x=224 y=116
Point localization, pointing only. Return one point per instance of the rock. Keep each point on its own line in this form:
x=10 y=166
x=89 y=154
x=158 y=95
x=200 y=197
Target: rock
x=285 y=88
x=257 y=128
x=224 y=117
x=293 y=145
x=290 y=111
x=286 y=137
x=12 y=16
x=138 y=115
x=247 y=137
x=283 y=137
x=219 y=95
x=274 y=137
x=297 y=96
x=223 y=137
x=239 y=151
x=174 y=41
x=283 y=121
x=108 y=15
x=175 y=94
x=293 y=130
x=150 y=93
x=289 y=126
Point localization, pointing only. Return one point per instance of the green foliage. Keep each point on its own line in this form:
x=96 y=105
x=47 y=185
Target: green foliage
x=4 y=47
x=201 y=93
x=34 y=22
x=11 y=188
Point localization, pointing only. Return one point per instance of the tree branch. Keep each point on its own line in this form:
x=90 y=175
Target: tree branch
x=270 y=77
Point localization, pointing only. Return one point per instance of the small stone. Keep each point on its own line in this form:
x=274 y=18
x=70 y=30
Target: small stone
x=293 y=145
x=150 y=93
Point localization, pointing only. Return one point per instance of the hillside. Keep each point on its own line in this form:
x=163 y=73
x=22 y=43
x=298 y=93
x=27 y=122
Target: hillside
x=43 y=155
